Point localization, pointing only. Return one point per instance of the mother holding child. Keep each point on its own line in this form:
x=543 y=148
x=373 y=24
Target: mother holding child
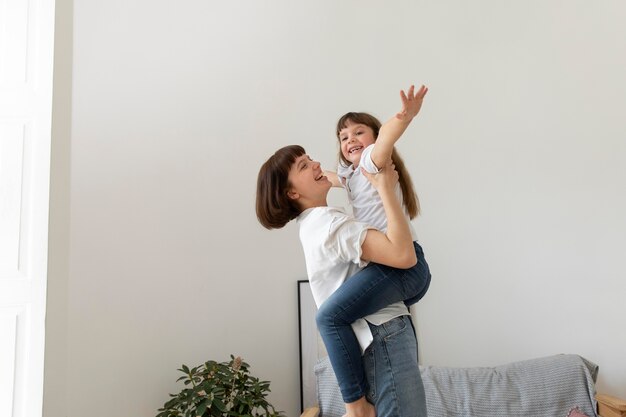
x=365 y=270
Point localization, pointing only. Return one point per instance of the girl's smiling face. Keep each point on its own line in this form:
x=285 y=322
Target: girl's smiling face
x=353 y=139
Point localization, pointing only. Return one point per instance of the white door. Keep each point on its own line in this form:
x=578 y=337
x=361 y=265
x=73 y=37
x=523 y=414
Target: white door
x=26 y=58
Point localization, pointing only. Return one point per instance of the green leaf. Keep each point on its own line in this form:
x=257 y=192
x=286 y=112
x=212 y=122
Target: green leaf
x=220 y=405
x=201 y=408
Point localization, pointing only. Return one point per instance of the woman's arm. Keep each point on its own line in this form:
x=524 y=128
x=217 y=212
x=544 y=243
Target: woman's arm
x=391 y=131
x=333 y=178
x=394 y=248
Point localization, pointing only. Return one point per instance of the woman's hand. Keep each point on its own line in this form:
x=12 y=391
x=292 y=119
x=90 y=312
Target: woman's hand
x=385 y=179
x=395 y=246
x=411 y=102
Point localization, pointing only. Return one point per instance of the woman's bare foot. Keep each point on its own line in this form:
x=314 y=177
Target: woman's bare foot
x=360 y=408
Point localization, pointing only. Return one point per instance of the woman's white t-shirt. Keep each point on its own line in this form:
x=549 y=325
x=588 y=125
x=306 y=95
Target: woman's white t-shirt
x=331 y=240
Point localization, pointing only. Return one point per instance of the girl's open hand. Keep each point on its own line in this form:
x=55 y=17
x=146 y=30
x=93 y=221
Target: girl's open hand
x=411 y=102
x=385 y=179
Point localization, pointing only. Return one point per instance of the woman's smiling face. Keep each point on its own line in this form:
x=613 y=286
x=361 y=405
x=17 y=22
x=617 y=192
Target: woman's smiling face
x=307 y=183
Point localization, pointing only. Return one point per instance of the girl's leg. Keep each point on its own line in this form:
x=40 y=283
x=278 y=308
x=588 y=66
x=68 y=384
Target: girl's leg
x=419 y=271
x=366 y=292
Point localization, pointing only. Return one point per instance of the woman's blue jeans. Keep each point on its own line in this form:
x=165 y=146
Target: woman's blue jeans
x=393 y=375
x=374 y=287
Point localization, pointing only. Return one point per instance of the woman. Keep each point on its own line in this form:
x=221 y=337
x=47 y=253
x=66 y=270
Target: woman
x=336 y=246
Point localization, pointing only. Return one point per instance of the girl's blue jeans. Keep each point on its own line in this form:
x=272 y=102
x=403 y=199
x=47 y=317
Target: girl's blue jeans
x=374 y=287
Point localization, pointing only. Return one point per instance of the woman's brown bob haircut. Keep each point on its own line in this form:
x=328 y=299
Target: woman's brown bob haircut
x=411 y=202
x=274 y=208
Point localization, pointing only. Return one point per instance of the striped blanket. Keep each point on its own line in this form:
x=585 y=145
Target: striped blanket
x=544 y=387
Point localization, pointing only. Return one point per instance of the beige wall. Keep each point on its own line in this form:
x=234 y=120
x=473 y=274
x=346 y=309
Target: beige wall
x=517 y=157
x=56 y=357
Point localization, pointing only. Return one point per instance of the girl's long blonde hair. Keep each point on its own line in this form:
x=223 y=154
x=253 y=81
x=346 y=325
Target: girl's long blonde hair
x=411 y=202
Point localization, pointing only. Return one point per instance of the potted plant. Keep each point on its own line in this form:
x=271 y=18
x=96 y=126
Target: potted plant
x=220 y=389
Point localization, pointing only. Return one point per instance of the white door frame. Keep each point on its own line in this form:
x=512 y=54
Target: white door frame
x=26 y=62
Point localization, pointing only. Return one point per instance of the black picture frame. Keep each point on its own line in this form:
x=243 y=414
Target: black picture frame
x=311 y=347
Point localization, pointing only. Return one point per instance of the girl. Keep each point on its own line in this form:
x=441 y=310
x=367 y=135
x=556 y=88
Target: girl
x=363 y=141
x=290 y=185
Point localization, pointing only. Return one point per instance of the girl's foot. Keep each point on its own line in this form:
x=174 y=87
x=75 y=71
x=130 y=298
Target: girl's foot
x=360 y=408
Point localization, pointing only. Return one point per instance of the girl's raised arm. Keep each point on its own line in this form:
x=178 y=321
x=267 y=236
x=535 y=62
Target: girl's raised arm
x=391 y=131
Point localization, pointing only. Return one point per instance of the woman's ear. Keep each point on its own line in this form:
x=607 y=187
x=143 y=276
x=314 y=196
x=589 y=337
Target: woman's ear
x=293 y=195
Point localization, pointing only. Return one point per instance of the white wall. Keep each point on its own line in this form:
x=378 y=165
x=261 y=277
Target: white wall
x=517 y=158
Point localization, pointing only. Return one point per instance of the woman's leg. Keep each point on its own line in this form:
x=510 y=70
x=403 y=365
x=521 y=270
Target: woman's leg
x=366 y=292
x=396 y=386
